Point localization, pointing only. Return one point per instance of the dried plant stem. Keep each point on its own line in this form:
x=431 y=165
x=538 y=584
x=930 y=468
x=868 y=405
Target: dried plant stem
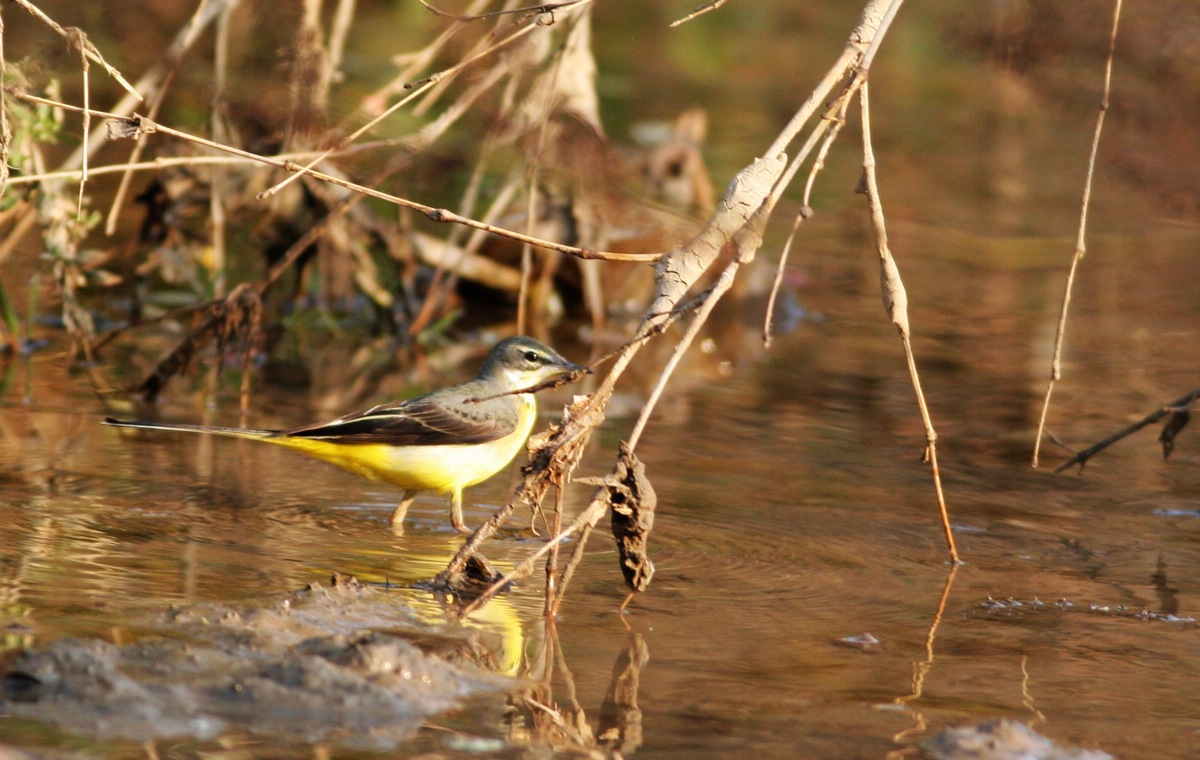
x=712 y=5
x=300 y=244
x=526 y=275
x=343 y=18
x=80 y=39
x=307 y=168
x=531 y=182
x=831 y=126
x=769 y=316
x=738 y=220
x=413 y=63
x=537 y=11
x=151 y=83
x=573 y=562
x=440 y=286
x=1080 y=241
x=129 y=167
x=418 y=88
x=140 y=125
x=552 y=558
x=260 y=287
x=158 y=164
x=724 y=282
x=589 y=516
x=220 y=132
x=895 y=302
x=545 y=107
x=863 y=40
x=882 y=22
x=88 y=49
x=5 y=132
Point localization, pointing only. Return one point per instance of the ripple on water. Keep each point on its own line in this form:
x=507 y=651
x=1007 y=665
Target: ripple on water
x=818 y=555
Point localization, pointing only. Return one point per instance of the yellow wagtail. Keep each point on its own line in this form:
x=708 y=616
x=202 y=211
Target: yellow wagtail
x=443 y=441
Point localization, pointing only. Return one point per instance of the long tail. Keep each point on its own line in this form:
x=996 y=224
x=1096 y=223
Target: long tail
x=210 y=429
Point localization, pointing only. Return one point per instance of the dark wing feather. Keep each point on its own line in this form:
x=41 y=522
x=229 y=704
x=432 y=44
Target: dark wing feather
x=423 y=421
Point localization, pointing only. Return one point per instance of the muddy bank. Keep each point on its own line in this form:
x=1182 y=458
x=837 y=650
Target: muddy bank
x=346 y=664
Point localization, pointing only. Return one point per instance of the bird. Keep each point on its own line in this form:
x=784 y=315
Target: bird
x=443 y=441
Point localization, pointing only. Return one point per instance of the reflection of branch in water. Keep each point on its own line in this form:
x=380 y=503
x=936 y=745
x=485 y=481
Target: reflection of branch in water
x=557 y=726
x=553 y=600
x=1168 y=596
x=1026 y=696
x=620 y=726
x=921 y=669
x=537 y=718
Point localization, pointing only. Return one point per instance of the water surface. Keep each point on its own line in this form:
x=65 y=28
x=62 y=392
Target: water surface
x=793 y=513
x=803 y=604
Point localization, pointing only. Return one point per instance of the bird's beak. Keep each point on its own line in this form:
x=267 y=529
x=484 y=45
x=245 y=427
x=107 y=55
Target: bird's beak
x=568 y=368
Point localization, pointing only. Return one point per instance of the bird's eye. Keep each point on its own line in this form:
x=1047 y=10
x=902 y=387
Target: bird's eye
x=532 y=357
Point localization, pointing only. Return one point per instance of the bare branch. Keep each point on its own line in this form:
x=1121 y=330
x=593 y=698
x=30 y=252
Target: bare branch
x=136 y=126
x=712 y=5
x=895 y=302
x=1080 y=242
x=87 y=48
x=530 y=10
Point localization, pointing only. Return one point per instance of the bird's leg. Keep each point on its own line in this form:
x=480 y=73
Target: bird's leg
x=402 y=509
x=456 y=518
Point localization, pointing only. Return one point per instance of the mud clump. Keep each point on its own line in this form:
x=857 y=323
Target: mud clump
x=331 y=664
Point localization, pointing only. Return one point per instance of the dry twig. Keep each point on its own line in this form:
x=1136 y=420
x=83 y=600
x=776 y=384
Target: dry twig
x=86 y=48
x=1080 y=241
x=137 y=126
x=712 y=5
x=895 y=302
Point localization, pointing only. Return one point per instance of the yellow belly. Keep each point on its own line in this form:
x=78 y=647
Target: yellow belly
x=444 y=468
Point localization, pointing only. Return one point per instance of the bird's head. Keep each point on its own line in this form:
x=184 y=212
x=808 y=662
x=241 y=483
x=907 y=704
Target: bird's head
x=521 y=362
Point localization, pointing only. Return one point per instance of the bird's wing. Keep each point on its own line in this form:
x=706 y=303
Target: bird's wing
x=424 y=421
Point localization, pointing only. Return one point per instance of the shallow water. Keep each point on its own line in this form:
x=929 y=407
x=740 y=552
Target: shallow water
x=793 y=515
x=803 y=605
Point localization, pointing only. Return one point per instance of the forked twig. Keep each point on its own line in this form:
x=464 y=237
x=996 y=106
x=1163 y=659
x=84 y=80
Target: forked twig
x=127 y=169
x=1080 y=241
x=88 y=49
x=589 y=517
x=831 y=125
